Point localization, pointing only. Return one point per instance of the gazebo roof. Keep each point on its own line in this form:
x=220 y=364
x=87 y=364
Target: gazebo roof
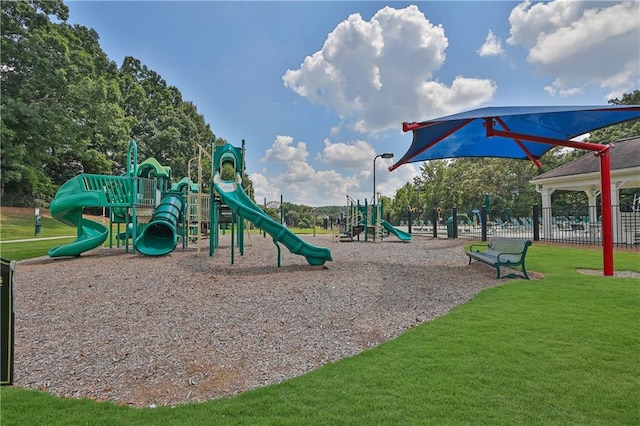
x=625 y=154
x=583 y=173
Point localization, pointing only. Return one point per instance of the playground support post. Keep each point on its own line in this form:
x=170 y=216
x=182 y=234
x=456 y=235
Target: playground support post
x=434 y=221
x=367 y=220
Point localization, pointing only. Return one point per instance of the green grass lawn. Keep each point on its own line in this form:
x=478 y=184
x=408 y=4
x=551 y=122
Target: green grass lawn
x=19 y=227
x=564 y=349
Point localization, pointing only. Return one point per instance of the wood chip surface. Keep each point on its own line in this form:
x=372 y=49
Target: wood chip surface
x=182 y=328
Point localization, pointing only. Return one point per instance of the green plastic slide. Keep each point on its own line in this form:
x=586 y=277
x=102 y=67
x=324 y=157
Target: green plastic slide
x=404 y=236
x=234 y=196
x=159 y=237
x=67 y=206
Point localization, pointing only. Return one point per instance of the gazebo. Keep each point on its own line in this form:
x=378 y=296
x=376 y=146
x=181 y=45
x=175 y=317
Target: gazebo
x=583 y=174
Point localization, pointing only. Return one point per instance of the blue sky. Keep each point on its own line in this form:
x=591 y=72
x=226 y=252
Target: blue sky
x=317 y=89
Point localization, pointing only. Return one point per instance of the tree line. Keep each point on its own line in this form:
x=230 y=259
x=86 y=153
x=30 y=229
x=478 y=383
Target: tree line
x=66 y=108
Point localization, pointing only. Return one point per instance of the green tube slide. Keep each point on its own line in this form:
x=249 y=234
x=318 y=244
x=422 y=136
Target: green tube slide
x=159 y=237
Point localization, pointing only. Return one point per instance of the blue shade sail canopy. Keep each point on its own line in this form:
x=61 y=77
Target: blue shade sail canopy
x=465 y=134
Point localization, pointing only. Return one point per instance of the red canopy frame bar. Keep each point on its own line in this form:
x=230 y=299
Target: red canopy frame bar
x=602 y=151
x=414 y=126
x=530 y=156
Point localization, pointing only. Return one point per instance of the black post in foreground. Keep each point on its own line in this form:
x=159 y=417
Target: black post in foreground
x=6 y=321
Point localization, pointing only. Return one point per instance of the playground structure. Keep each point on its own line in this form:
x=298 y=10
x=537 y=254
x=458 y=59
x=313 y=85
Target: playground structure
x=229 y=193
x=368 y=218
x=139 y=199
x=155 y=215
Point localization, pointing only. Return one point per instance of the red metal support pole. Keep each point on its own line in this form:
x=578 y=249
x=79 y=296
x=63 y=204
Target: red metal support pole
x=602 y=151
x=607 y=227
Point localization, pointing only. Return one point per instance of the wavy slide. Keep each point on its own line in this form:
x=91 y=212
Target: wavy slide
x=232 y=194
x=404 y=236
x=67 y=206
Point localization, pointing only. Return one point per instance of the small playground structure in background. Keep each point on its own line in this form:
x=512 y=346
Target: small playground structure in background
x=368 y=219
x=155 y=215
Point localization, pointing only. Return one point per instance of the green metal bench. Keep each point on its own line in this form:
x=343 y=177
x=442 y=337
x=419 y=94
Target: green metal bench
x=501 y=251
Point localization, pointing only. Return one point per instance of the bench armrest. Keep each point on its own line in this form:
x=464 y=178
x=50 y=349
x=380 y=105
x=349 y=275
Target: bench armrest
x=519 y=253
x=478 y=247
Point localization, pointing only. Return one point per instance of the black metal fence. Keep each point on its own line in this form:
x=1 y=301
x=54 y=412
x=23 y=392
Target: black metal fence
x=579 y=226
x=22 y=200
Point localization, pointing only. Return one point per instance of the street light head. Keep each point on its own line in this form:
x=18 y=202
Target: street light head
x=387 y=155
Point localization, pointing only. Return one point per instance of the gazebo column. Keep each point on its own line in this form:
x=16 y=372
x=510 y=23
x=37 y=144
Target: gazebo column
x=547 y=214
x=592 y=205
x=615 y=214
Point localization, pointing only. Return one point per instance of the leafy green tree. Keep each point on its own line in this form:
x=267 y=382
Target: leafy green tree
x=623 y=130
x=101 y=132
x=305 y=223
x=273 y=213
x=620 y=131
x=60 y=99
x=165 y=126
x=227 y=172
x=31 y=90
x=431 y=185
x=292 y=218
x=402 y=202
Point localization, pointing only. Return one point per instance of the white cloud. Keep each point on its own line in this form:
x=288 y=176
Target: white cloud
x=263 y=189
x=302 y=184
x=462 y=92
x=298 y=172
x=581 y=43
x=283 y=150
x=350 y=174
x=557 y=88
x=347 y=156
x=376 y=73
x=492 y=46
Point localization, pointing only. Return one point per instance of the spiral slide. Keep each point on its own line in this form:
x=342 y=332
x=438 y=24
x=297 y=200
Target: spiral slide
x=67 y=206
x=232 y=194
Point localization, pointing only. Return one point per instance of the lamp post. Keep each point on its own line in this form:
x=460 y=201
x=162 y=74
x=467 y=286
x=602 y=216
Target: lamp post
x=385 y=155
